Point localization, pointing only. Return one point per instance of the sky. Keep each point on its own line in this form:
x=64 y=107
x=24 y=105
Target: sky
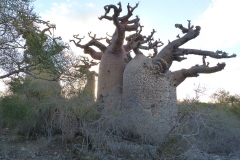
x=219 y=21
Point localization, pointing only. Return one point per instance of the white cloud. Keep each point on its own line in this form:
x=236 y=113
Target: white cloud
x=73 y=18
x=219 y=25
x=62 y=7
x=219 y=31
x=89 y=4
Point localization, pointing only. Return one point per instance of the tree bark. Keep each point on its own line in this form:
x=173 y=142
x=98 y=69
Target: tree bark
x=150 y=99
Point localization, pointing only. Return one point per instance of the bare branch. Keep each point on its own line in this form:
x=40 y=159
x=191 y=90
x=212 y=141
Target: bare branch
x=24 y=70
x=125 y=19
x=108 y=35
x=94 y=37
x=105 y=17
x=11 y=73
x=109 y=41
x=42 y=78
x=136 y=41
x=50 y=26
x=87 y=63
x=93 y=42
x=132 y=27
x=79 y=40
x=94 y=54
x=122 y=25
x=167 y=54
x=181 y=75
x=107 y=8
x=190 y=34
x=217 y=54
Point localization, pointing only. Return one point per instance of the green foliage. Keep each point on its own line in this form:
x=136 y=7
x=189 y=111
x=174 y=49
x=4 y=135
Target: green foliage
x=88 y=112
x=31 y=104
x=224 y=97
x=220 y=96
x=14 y=111
x=174 y=146
x=39 y=103
x=235 y=110
x=26 y=47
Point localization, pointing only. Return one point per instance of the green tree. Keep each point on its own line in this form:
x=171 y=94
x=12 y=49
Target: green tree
x=220 y=96
x=233 y=99
x=26 y=48
x=223 y=96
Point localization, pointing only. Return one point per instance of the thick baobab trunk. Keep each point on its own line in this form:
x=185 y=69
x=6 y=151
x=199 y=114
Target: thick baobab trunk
x=111 y=73
x=150 y=97
x=88 y=93
x=143 y=87
x=113 y=57
x=110 y=79
x=149 y=87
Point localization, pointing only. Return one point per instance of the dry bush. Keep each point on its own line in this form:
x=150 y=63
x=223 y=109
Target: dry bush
x=204 y=131
x=205 y=128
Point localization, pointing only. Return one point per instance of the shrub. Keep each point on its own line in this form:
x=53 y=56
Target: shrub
x=14 y=111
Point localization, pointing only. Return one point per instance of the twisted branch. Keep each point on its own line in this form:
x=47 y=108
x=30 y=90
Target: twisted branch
x=167 y=54
x=93 y=42
x=94 y=37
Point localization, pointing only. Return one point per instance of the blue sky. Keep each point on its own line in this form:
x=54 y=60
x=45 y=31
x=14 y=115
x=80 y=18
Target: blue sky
x=219 y=21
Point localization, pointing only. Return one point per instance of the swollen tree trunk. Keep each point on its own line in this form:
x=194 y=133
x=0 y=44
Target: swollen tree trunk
x=150 y=97
x=113 y=57
x=149 y=87
x=88 y=93
x=110 y=77
x=144 y=88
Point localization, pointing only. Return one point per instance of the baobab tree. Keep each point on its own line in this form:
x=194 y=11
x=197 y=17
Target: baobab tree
x=145 y=85
x=114 y=58
x=149 y=87
x=149 y=73
x=88 y=92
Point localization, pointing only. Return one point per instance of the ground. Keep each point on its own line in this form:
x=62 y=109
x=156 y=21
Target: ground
x=15 y=147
